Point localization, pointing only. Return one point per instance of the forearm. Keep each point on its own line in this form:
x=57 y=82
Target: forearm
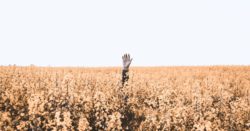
x=125 y=76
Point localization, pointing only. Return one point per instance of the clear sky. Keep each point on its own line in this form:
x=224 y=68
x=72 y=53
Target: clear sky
x=97 y=33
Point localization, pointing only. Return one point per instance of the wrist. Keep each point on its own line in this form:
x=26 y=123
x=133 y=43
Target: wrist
x=125 y=68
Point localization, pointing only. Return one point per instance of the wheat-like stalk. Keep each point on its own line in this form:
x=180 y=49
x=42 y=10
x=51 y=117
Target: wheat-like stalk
x=159 y=98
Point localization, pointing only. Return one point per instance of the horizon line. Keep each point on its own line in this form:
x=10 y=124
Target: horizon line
x=136 y=66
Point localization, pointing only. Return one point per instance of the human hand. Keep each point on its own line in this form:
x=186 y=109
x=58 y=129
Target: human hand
x=126 y=61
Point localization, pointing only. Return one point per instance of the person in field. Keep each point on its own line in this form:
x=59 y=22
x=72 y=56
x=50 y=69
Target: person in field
x=125 y=69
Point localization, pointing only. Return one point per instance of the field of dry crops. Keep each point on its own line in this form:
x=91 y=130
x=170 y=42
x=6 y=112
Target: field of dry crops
x=163 y=98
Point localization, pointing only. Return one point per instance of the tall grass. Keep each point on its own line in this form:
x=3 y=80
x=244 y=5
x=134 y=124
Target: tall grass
x=163 y=98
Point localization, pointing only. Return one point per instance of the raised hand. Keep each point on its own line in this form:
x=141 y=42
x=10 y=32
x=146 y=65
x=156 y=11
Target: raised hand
x=126 y=61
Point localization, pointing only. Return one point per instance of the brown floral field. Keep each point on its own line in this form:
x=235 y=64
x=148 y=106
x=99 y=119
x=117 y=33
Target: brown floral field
x=155 y=98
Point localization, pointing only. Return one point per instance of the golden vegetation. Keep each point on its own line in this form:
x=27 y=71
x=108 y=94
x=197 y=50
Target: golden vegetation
x=164 y=98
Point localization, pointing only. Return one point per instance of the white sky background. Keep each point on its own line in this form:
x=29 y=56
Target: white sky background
x=97 y=33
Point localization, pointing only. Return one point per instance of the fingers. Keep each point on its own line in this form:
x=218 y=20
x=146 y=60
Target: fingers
x=126 y=57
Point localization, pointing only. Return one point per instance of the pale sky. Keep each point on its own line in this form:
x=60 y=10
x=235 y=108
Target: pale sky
x=97 y=33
